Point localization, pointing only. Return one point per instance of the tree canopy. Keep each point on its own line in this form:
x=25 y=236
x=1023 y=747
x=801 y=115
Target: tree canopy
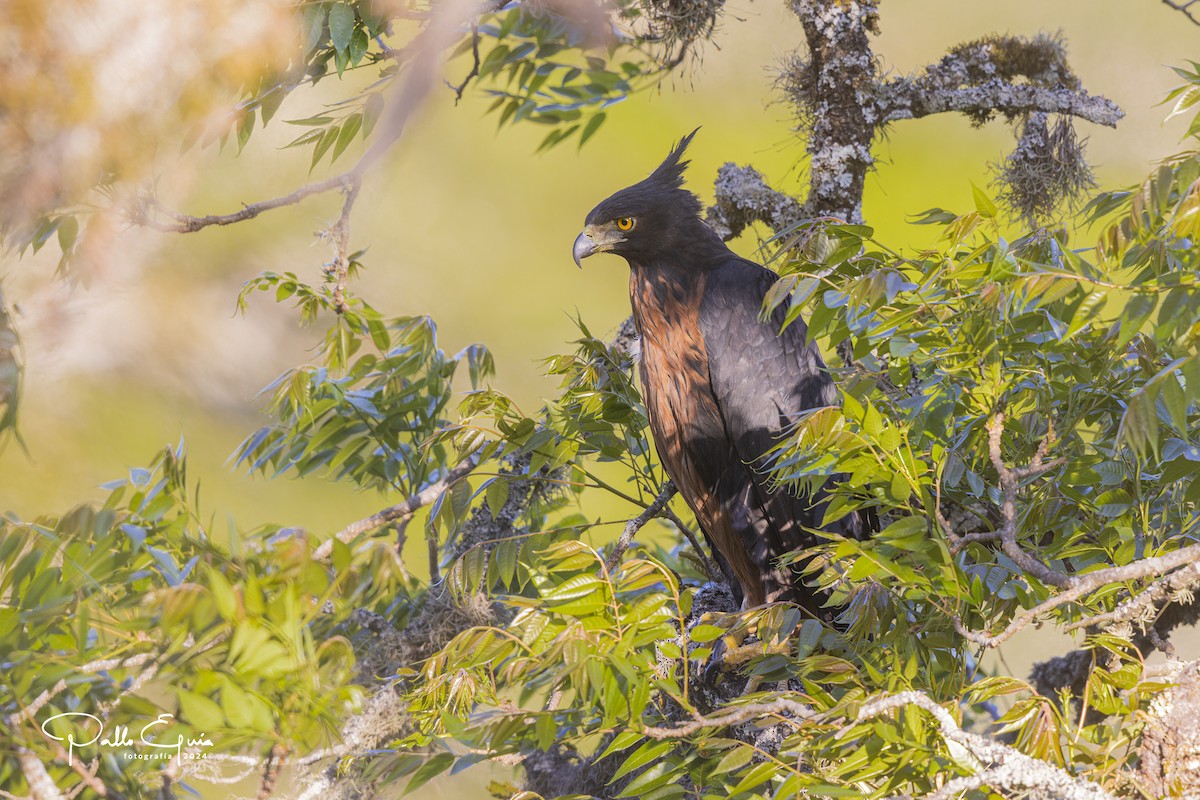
x=1018 y=403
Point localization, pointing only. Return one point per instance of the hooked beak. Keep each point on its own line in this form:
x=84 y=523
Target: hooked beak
x=584 y=247
x=595 y=239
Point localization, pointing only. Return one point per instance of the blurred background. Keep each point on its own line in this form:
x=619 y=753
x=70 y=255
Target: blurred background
x=462 y=223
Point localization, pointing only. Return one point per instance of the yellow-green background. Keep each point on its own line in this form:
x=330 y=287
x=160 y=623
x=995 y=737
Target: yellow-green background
x=471 y=227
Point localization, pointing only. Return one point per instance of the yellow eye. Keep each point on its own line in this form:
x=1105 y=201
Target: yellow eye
x=625 y=223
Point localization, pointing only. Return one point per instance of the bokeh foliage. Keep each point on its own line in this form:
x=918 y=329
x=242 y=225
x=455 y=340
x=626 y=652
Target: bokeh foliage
x=1083 y=359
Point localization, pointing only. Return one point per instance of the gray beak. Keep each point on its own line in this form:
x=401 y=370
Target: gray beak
x=584 y=247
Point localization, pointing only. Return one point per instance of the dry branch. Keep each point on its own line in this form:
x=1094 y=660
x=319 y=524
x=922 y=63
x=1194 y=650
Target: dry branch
x=637 y=523
x=441 y=31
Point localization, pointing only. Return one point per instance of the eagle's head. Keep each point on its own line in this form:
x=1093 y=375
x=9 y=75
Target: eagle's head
x=650 y=219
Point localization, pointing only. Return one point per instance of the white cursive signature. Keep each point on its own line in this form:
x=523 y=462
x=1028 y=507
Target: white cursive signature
x=121 y=735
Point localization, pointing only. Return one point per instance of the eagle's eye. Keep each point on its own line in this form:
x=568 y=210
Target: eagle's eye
x=625 y=223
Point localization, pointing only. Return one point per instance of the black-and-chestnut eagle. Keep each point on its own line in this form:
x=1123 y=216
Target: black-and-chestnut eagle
x=721 y=385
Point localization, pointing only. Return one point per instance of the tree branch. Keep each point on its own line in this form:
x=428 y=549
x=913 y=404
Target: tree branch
x=790 y=711
x=41 y=785
x=401 y=512
x=1082 y=585
x=1006 y=768
x=1008 y=504
x=339 y=269
x=460 y=88
x=46 y=696
x=1185 y=7
x=905 y=98
x=743 y=197
x=637 y=523
x=1144 y=606
x=442 y=30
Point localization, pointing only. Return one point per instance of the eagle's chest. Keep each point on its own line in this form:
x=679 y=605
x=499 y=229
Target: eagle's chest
x=675 y=373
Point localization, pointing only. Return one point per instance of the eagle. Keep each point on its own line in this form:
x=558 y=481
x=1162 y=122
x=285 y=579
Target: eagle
x=722 y=386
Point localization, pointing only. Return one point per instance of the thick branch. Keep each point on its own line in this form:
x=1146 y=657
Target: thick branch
x=743 y=197
x=401 y=512
x=905 y=98
x=830 y=86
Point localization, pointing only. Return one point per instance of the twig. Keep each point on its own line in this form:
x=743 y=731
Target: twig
x=637 y=523
x=460 y=88
x=1185 y=7
x=271 y=768
x=1085 y=584
x=1007 y=768
x=400 y=513
x=791 y=711
x=710 y=569
x=189 y=224
x=340 y=268
x=440 y=32
x=1008 y=504
x=86 y=775
x=46 y=696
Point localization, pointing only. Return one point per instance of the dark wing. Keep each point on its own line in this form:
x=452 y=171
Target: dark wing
x=762 y=380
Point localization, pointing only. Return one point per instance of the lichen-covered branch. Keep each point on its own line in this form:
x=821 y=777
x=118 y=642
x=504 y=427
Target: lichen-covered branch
x=743 y=197
x=843 y=103
x=832 y=83
x=1004 y=767
x=1142 y=608
x=904 y=100
x=1007 y=75
x=1081 y=585
x=787 y=710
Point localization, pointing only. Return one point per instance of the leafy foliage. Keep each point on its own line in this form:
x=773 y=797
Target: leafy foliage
x=1021 y=414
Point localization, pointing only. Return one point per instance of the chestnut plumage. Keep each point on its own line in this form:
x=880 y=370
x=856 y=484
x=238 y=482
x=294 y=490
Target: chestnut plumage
x=721 y=385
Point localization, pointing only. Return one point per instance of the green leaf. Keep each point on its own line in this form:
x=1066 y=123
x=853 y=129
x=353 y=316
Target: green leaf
x=199 y=711
x=647 y=753
x=358 y=46
x=68 y=230
x=327 y=139
x=341 y=25
x=435 y=766
x=983 y=203
x=1086 y=312
x=349 y=128
x=591 y=127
